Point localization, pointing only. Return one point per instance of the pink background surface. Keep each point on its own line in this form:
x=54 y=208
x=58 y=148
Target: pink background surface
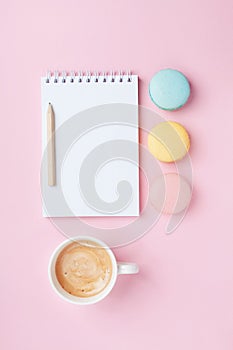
x=183 y=297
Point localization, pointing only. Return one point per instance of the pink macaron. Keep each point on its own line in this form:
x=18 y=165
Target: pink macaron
x=170 y=193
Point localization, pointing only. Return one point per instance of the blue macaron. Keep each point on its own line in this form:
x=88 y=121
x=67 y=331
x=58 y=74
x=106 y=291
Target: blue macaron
x=169 y=89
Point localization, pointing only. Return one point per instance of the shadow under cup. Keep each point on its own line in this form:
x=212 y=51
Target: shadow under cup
x=63 y=293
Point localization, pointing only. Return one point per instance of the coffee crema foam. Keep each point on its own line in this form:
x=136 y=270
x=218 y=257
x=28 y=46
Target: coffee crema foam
x=83 y=268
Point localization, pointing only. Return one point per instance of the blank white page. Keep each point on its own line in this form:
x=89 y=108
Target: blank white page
x=83 y=134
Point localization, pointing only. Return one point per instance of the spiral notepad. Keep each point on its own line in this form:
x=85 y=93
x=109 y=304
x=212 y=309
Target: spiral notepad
x=96 y=144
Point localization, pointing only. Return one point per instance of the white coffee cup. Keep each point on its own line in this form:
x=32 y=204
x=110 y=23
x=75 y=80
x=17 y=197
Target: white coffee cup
x=118 y=268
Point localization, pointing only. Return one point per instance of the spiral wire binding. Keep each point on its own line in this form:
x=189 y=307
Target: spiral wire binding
x=56 y=76
x=88 y=77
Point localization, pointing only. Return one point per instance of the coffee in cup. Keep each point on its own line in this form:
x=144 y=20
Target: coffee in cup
x=83 y=268
x=83 y=271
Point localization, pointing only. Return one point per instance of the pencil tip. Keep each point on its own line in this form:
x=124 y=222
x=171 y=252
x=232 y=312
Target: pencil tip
x=50 y=107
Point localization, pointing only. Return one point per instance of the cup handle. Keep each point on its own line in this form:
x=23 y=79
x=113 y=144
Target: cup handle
x=127 y=268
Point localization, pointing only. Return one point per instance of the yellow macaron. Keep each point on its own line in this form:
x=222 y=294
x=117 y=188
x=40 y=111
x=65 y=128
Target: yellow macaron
x=168 y=141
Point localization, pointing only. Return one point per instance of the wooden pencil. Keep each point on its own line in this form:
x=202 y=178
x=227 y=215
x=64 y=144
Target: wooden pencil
x=51 y=146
